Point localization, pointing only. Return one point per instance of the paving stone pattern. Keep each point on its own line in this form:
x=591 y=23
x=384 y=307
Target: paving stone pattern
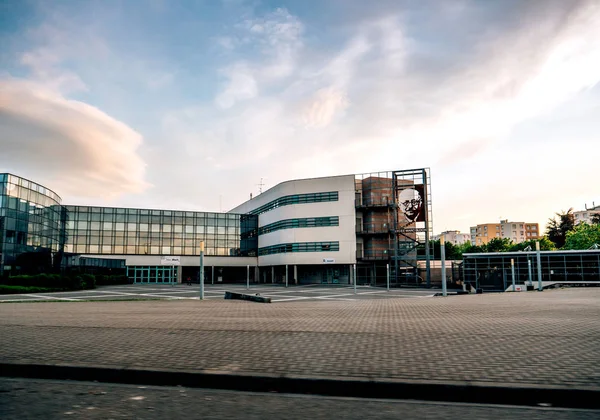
x=548 y=338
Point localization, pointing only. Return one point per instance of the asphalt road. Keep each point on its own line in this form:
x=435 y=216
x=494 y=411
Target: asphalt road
x=51 y=399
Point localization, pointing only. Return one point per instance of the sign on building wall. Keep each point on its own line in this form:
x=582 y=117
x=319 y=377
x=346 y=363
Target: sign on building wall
x=328 y=261
x=411 y=202
x=170 y=260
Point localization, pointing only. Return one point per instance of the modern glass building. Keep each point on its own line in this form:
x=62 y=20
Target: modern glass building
x=336 y=230
x=38 y=234
x=30 y=225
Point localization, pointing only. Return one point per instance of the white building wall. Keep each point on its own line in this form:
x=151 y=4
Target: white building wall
x=344 y=208
x=585 y=215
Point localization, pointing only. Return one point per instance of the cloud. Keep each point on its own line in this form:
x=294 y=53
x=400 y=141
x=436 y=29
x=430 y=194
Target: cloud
x=242 y=85
x=275 y=39
x=78 y=149
x=387 y=97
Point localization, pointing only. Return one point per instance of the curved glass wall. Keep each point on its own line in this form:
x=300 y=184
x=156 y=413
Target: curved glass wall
x=30 y=225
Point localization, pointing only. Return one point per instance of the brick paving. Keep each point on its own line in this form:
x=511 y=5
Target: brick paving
x=548 y=338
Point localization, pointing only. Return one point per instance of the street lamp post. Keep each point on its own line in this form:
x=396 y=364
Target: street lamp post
x=539 y=265
x=443 y=258
x=201 y=274
x=512 y=271
x=387 y=268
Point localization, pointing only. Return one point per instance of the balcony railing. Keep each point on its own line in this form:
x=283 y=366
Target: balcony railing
x=373 y=254
x=373 y=228
x=369 y=203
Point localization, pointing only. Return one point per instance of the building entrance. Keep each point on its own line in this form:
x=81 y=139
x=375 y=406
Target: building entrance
x=152 y=274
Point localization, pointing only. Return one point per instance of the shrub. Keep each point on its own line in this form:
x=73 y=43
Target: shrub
x=17 y=290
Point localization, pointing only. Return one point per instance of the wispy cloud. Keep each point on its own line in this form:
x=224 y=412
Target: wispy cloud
x=77 y=148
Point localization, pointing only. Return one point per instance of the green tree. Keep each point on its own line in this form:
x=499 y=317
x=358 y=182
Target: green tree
x=498 y=245
x=545 y=245
x=557 y=229
x=584 y=236
x=467 y=248
x=452 y=251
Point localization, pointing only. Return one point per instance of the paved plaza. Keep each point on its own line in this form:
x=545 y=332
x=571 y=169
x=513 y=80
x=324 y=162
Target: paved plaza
x=277 y=293
x=548 y=338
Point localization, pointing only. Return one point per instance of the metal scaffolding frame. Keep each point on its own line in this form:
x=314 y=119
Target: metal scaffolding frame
x=394 y=222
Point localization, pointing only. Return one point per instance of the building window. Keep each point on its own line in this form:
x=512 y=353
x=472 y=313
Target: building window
x=297 y=199
x=300 y=223
x=299 y=247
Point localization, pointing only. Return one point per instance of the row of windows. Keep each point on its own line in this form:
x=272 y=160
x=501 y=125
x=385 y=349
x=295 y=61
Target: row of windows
x=222 y=240
x=152 y=250
x=15 y=181
x=85 y=227
x=300 y=223
x=297 y=199
x=208 y=220
x=26 y=209
x=147 y=212
x=299 y=247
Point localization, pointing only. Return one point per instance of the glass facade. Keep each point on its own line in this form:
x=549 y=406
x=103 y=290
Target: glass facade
x=30 y=226
x=300 y=223
x=124 y=231
x=300 y=247
x=288 y=200
x=38 y=234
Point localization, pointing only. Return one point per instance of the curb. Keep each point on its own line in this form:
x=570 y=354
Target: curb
x=464 y=392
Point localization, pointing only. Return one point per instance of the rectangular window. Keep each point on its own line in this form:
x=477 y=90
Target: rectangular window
x=297 y=199
x=295 y=223
x=300 y=247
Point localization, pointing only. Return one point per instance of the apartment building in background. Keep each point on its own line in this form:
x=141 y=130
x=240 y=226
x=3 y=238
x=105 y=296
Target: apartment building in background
x=454 y=237
x=586 y=215
x=517 y=232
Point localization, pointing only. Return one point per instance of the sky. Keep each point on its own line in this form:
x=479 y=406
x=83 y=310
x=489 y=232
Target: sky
x=190 y=104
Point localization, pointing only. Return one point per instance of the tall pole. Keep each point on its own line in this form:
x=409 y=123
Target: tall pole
x=387 y=267
x=201 y=274
x=512 y=271
x=355 y=279
x=427 y=227
x=286 y=275
x=539 y=265
x=443 y=258
x=247 y=277
x=529 y=270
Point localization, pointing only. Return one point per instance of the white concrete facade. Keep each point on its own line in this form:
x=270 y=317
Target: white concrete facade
x=585 y=216
x=454 y=237
x=344 y=208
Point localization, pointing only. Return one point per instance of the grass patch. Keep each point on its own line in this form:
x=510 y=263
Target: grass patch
x=6 y=289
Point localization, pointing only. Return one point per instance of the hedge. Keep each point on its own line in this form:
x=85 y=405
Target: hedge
x=18 y=290
x=54 y=281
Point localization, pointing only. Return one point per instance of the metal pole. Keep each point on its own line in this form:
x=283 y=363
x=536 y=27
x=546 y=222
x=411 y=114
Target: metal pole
x=388 y=276
x=512 y=270
x=539 y=265
x=529 y=270
x=247 y=277
x=286 y=275
x=427 y=228
x=355 y=279
x=201 y=273
x=443 y=258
